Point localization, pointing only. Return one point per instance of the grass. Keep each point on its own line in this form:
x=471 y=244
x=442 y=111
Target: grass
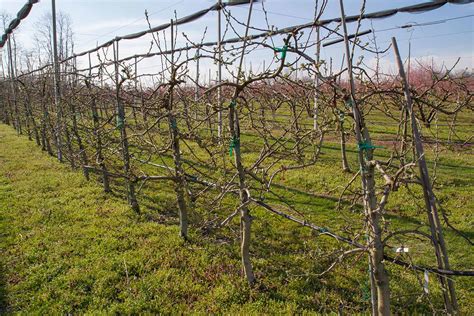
x=69 y=248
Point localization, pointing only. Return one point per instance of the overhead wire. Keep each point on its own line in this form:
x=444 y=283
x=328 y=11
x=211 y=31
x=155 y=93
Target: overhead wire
x=417 y=8
x=133 y=22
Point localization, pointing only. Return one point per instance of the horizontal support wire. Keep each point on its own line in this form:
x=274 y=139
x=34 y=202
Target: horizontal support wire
x=417 y=8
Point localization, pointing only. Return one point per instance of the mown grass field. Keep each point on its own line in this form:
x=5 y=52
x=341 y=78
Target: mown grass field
x=66 y=247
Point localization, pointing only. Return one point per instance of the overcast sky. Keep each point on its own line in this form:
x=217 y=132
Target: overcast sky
x=96 y=21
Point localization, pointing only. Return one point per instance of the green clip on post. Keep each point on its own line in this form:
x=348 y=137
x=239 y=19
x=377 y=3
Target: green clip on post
x=366 y=146
x=173 y=124
x=120 y=122
x=363 y=170
x=232 y=104
x=234 y=143
x=282 y=50
x=349 y=103
x=366 y=290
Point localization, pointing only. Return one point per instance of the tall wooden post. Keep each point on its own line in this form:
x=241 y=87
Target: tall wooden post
x=13 y=85
x=59 y=111
x=316 y=81
x=219 y=71
x=135 y=91
x=6 y=119
x=447 y=286
x=11 y=63
x=196 y=87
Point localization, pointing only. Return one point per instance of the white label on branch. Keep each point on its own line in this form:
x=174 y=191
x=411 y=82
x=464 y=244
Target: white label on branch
x=425 y=283
x=401 y=249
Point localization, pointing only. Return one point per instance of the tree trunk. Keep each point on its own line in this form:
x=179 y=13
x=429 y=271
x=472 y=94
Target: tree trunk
x=180 y=181
x=82 y=150
x=245 y=218
x=380 y=303
x=121 y=125
x=30 y=117
x=98 y=140
x=45 y=122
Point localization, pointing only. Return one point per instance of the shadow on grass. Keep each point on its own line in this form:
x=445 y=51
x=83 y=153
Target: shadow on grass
x=3 y=291
x=402 y=219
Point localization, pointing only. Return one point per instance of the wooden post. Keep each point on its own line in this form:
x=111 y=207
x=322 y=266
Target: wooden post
x=59 y=112
x=316 y=81
x=449 y=294
x=45 y=120
x=208 y=108
x=135 y=91
x=219 y=72
x=6 y=119
x=404 y=115
x=13 y=86
x=60 y=120
x=196 y=87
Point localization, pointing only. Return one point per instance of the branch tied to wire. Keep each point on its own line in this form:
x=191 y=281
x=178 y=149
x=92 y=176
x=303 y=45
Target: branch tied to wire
x=281 y=50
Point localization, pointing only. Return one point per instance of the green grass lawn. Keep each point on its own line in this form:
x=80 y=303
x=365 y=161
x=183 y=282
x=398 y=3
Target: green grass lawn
x=66 y=247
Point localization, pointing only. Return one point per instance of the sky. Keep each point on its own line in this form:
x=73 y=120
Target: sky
x=97 y=21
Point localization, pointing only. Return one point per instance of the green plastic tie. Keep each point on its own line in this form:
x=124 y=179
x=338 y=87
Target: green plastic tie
x=366 y=291
x=120 y=122
x=323 y=230
x=174 y=125
x=349 y=103
x=282 y=50
x=233 y=104
x=367 y=146
x=234 y=143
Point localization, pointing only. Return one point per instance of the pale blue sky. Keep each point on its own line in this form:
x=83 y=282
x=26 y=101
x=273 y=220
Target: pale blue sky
x=100 y=20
